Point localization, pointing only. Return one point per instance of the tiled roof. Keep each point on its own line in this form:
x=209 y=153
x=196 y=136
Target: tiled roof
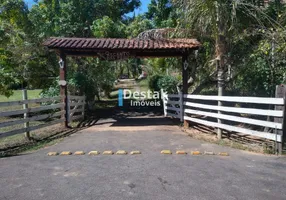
x=113 y=44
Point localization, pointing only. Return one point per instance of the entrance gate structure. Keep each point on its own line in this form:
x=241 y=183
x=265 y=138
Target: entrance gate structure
x=115 y=49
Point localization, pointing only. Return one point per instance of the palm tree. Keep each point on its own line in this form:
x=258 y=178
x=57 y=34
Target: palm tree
x=221 y=20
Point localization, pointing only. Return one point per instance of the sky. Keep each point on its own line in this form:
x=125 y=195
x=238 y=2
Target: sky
x=142 y=9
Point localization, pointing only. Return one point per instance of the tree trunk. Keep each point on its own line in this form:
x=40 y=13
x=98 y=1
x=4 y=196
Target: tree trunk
x=220 y=57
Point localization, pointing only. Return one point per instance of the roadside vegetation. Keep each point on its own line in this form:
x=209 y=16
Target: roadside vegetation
x=247 y=37
x=243 y=46
x=18 y=95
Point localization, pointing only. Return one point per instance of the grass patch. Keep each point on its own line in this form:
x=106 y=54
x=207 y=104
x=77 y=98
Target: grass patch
x=40 y=145
x=143 y=84
x=18 y=95
x=210 y=136
x=44 y=137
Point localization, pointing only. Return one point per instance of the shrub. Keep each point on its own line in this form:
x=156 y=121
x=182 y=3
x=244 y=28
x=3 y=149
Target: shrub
x=168 y=84
x=153 y=82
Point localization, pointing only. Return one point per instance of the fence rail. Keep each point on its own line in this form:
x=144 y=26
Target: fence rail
x=76 y=107
x=173 y=103
x=50 y=111
x=16 y=103
x=201 y=109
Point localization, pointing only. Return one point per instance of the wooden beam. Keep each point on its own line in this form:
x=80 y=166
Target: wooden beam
x=126 y=54
x=256 y=100
x=63 y=86
x=251 y=111
x=281 y=93
x=185 y=74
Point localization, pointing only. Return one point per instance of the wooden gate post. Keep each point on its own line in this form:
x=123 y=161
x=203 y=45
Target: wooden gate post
x=63 y=86
x=281 y=93
x=26 y=114
x=220 y=82
x=163 y=96
x=185 y=74
x=181 y=99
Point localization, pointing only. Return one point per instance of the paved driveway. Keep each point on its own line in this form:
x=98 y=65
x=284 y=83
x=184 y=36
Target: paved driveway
x=150 y=176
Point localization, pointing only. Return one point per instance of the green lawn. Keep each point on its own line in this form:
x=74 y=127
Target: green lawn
x=32 y=94
x=143 y=84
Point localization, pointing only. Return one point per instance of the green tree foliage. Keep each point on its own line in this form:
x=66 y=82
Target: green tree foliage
x=161 y=12
x=232 y=32
x=22 y=31
x=6 y=73
x=106 y=27
x=75 y=18
x=138 y=25
x=15 y=47
x=167 y=83
x=248 y=39
x=153 y=82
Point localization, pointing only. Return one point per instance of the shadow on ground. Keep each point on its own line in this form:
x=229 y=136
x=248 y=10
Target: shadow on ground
x=161 y=121
x=105 y=112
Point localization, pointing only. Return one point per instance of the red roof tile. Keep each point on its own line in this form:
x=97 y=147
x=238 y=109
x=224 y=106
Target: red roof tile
x=112 y=43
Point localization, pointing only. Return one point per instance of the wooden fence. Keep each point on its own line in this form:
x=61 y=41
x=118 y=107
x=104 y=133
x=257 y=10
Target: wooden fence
x=49 y=111
x=249 y=115
x=76 y=107
x=173 y=105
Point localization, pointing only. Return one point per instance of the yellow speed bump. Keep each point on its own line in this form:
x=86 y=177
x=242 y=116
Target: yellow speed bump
x=209 y=153
x=78 y=153
x=66 y=153
x=166 y=152
x=53 y=154
x=93 y=153
x=135 y=152
x=196 y=153
x=107 y=153
x=121 y=152
x=223 y=154
x=181 y=152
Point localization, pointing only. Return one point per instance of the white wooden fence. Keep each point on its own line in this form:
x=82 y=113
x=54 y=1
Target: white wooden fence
x=50 y=111
x=173 y=106
x=76 y=108
x=235 y=113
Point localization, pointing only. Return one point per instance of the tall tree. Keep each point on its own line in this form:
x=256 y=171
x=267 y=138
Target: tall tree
x=74 y=18
x=161 y=12
x=222 y=20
